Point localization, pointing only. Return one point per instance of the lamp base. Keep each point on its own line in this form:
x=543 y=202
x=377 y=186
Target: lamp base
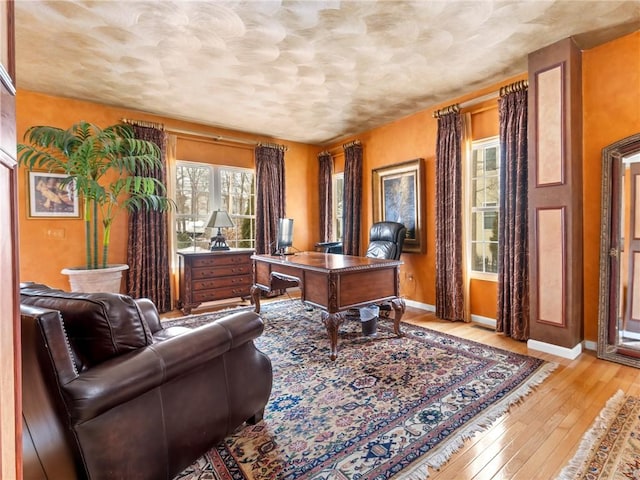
x=219 y=242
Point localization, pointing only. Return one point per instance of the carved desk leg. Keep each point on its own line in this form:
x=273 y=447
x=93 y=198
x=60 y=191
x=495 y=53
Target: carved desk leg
x=332 y=322
x=255 y=297
x=399 y=307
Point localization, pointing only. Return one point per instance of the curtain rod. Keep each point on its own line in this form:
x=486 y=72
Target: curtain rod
x=514 y=87
x=213 y=136
x=283 y=148
x=142 y=123
x=455 y=108
x=351 y=144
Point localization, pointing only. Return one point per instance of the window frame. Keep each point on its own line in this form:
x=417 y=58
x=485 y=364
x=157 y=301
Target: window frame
x=215 y=202
x=481 y=144
x=336 y=207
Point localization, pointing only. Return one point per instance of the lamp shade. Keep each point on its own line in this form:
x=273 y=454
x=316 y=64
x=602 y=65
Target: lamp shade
x=219 y=219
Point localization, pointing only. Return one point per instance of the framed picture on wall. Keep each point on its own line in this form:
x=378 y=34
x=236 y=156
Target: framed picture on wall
x=397 y=197
x=52 y=195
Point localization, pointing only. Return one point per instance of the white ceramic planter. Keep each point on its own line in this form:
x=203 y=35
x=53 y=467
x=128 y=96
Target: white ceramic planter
x=95 y=280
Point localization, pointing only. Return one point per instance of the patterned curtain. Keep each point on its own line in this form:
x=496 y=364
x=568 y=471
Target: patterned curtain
x=148 y=247
x=352 y=198
x=449 y=261
x=513 y=271
x=325 y=192
x=269 y=195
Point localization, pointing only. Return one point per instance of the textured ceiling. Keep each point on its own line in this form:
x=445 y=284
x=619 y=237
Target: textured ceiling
x=308 y=71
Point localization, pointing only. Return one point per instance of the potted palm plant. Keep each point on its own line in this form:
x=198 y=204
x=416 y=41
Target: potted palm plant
x=110 y=171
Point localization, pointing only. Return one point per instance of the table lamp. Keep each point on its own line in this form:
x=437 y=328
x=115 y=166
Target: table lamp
x=219 y=219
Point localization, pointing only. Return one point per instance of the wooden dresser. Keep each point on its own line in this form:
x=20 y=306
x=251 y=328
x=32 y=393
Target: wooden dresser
x=208 y=276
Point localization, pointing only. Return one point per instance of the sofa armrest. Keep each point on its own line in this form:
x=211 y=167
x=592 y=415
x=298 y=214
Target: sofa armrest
x=121 y=379
x=51 y=327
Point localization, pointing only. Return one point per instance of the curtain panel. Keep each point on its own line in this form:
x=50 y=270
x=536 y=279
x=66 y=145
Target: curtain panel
x=351 y=209
x=513 y=269
x=449 y=260
x=270 y=192
x=325 y=191
x=148 y=247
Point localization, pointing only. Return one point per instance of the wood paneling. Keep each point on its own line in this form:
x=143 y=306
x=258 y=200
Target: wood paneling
x=550 y=226
x=549 y=101
x=555 y=181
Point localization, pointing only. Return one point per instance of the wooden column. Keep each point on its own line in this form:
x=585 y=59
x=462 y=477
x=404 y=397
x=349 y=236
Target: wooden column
x=555 y=195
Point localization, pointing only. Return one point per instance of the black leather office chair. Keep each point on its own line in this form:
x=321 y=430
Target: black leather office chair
x=386 y=240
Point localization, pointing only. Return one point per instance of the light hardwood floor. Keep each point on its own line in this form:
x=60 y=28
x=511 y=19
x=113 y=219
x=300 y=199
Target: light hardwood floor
x=541 y=433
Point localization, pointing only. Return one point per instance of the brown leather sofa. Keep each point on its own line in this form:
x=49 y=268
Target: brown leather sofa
x=108 y=393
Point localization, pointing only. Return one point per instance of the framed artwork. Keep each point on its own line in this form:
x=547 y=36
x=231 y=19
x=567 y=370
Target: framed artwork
x=50 y=195
x=397 y=197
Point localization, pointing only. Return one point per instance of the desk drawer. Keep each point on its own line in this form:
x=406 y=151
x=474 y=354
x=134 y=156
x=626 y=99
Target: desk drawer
x=220 y=293
x=221 y=282
x=221 y=271
x=221 y=260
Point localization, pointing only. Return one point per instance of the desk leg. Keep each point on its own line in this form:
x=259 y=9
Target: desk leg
x=255 y=297
x=399 y=307
x=332 y=322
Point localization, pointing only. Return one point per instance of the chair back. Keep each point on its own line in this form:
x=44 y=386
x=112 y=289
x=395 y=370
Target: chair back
x=386 y=240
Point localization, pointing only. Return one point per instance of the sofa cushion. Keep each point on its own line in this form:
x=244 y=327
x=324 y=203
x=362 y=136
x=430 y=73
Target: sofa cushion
x=99 y=326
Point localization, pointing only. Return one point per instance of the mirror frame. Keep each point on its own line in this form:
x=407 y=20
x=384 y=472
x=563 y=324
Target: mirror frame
x=611 y=166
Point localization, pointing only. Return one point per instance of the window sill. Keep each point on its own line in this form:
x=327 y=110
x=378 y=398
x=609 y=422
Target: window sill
x=487 y=277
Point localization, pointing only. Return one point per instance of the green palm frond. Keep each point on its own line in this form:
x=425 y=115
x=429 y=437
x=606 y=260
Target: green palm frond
x=89 y=155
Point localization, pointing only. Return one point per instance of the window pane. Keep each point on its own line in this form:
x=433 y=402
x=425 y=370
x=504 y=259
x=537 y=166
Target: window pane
x=491 y=221
x=238 y=199
x=476 y=165
x=492 y=257
x=477 y=257
x=477 y=196
x=492 y=192
x=491 y=159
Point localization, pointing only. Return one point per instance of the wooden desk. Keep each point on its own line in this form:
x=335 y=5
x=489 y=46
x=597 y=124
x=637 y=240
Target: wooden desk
x=332 y=282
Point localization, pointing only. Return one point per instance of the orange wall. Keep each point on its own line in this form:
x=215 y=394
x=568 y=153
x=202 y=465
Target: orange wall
x=49 y=245
x=611 y=89
x=415 y=137
x=611 y=106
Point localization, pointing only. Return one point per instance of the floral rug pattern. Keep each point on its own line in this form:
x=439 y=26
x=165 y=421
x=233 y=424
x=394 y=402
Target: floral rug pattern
x=611 y=447
x=387 y=407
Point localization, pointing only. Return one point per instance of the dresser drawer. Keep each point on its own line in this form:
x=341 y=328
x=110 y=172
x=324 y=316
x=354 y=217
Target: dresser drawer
x=221 y=271
x=220 y=293
x=220 y=260
x=222 y=282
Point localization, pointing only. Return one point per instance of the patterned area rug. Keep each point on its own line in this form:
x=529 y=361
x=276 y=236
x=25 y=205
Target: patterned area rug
x=387 y=407
x=611 y=447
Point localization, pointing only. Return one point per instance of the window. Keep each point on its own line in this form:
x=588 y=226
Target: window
x=338 y=198
x=202 y=188
x=485 y=196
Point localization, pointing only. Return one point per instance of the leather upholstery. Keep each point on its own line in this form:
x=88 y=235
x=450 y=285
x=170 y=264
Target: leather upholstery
x=134 y=400
x=386 y=240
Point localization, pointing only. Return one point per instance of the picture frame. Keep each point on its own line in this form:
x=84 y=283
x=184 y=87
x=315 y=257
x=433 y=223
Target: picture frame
x=398 y=196
x=51 y=196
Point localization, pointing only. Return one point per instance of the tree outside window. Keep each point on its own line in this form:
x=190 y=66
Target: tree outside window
x=203 y=188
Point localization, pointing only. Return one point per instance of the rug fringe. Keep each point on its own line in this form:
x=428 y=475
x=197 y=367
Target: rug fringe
x=592 y=437
x=439 y=456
